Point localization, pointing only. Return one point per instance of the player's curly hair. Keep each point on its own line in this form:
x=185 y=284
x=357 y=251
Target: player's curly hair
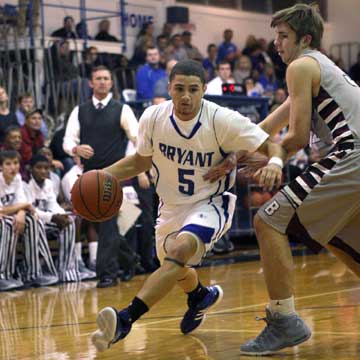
x=304 y=20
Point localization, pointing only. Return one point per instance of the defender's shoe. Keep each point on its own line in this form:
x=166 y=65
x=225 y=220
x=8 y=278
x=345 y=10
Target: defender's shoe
x=281 y=331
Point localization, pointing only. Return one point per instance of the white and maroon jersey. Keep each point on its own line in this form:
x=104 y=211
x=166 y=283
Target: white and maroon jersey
x=183 y=151
x=13 y=193
x=43 y=199
x=337 y=105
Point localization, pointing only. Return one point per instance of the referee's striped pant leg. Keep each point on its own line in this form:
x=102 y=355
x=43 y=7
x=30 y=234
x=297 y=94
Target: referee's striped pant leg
x=8 y=240
x=31 y=239
x=45 y=250
x=68 y=264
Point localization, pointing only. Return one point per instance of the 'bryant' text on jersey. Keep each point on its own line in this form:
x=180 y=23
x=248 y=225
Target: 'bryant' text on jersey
x=186 y=157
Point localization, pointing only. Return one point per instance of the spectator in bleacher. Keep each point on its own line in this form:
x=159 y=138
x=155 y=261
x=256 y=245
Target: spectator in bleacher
x=91 y=60
x=125 y=73
x=82 y=30
x=264 y=47
x=7 y=117
x=32 y=138
x=279 y=97
x=145 y=35
x=64 y=69
x=214 y=87
x=56 y=146
x=242 y=69
x=104 y=32
x=161 y=44
x=161 y=91
x=192 y=51
x=167 y=31
x=257 y=59
x=12 y=141
x=227 y=51
x=67 y=31
x=209 y=63
x=25 y=104
x=251 y=87
x=355 y=70
x=268 y=80
x=144 y=41
x=175 y=50
x=148 y=74
x=250 y=44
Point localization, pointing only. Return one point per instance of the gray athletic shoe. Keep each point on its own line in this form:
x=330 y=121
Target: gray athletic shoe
x=10 y=284
x=85 y=273
x=280 y=332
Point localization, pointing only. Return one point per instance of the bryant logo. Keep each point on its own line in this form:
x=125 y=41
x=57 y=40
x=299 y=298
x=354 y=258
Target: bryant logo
x=107 y=188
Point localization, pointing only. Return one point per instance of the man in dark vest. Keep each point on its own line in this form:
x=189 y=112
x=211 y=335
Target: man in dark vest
x=98 y=131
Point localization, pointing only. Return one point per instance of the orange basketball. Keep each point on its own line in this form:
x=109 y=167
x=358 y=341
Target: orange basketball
x=96 y=196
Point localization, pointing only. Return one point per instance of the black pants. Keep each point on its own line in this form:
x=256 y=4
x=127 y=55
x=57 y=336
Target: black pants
x=113 y=250
x=145 y=233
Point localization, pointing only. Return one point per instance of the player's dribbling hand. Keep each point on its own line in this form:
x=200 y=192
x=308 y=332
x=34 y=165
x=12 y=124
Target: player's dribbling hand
x=269 y=176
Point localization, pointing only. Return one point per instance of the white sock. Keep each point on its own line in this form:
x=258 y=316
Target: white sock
x=78 y=250
x=93 y=250
x=284 y=306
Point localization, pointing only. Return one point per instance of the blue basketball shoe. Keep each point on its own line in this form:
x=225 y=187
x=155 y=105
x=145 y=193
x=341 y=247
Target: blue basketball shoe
x=196 y=313
x=113 y=326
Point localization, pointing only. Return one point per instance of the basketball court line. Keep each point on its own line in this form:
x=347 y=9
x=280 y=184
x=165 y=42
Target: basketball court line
x=224 y=311
x=204 y=330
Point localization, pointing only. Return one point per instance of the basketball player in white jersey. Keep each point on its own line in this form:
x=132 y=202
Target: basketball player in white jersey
x=181 y=140
x=322 y=204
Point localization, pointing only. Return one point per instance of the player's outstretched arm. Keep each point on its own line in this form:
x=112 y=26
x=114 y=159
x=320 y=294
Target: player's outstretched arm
x=129 y=166
x=270 y=175
x=277 y=120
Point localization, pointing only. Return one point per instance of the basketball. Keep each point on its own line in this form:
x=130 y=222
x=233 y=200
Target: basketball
x=96 y=196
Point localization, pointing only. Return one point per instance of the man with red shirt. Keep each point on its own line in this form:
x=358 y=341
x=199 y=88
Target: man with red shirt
x=32 y=138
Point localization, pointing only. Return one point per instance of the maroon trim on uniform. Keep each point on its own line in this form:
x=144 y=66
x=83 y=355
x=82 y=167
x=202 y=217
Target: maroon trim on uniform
x=340 y=131
x=328 y=109
x=339 y=244
x=316 y=171
x=323 y=95
x=339 y=117
x=298 y=230
x=327 y=163
x=310 y=181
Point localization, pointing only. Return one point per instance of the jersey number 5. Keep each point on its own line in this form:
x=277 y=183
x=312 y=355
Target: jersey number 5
x=186 y=186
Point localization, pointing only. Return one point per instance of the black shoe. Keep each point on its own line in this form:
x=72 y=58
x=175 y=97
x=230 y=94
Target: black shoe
x=106 y=282
x=128 y=274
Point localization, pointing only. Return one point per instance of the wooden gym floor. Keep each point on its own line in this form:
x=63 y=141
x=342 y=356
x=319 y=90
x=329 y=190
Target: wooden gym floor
x=56 y=322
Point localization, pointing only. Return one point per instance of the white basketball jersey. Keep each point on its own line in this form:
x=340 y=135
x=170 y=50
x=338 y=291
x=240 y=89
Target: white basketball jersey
x=13 y=193
x=43 y=198
x=183 y=151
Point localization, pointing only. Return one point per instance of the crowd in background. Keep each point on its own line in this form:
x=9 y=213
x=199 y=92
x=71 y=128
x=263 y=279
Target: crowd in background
x=30 y=149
